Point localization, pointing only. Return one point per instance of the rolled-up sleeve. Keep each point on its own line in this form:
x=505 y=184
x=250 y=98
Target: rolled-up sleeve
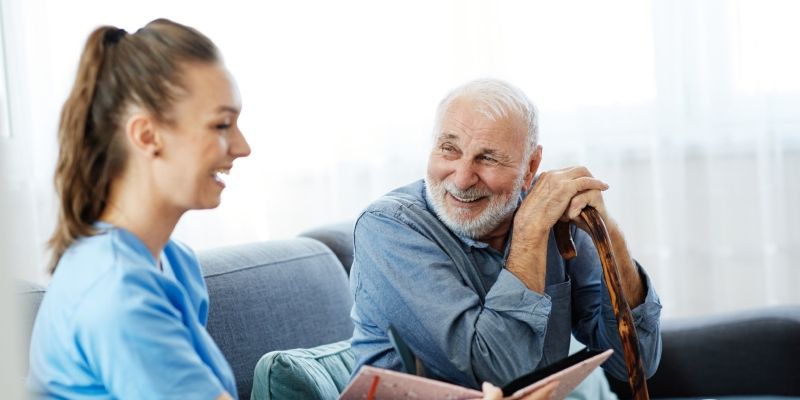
x=404 y=278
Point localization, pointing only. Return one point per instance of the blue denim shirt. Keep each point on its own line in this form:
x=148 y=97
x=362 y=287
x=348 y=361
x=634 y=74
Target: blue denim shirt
x=463 y=314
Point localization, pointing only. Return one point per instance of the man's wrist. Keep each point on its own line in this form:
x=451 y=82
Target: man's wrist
x=531 y=234
x=526 y=258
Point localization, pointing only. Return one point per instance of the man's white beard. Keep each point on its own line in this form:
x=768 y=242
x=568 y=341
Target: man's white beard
x=498 y=210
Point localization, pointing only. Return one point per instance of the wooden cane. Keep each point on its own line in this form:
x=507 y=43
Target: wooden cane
x=622 y=312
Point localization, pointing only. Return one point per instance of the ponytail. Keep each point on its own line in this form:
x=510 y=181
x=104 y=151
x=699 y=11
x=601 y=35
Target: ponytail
x=116 y=70
x=80 y=157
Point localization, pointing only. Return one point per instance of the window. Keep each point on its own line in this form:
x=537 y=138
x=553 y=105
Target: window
x=5 y=126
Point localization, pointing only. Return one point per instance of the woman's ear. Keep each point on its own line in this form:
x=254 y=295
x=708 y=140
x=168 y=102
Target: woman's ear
x=141 y=132
x=533 y=166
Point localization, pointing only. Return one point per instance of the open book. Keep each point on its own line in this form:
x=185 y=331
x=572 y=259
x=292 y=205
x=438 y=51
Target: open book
x=381 y=384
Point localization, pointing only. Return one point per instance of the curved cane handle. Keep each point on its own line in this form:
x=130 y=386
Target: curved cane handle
x=622 y=312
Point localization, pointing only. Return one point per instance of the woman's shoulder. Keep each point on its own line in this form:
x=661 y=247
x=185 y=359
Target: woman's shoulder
x=108 y=247
x=100 y=263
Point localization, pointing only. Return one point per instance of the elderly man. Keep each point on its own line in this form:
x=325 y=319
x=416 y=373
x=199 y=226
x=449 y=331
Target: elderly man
x=465 y=266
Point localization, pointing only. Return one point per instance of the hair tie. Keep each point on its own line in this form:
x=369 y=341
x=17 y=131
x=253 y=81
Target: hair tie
x=114 y=36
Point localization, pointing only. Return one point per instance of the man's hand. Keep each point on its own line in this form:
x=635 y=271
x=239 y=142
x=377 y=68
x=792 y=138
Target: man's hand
x=557 y=195
x=561 y=195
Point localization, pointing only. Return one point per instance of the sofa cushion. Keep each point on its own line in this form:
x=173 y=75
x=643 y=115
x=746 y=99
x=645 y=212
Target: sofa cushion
x=317 y=373
x=274 y=295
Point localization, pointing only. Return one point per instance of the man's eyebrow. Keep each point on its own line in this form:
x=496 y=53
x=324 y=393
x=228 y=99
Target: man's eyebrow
x=446 y=136
x=497 y=154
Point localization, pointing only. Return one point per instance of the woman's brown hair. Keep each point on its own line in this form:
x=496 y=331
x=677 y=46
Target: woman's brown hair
x=116 y=70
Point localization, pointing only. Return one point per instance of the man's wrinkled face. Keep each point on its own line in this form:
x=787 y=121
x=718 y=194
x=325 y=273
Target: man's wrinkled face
x=476 y=170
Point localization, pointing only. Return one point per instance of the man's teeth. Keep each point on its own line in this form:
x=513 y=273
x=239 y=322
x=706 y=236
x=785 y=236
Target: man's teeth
x=465 y=200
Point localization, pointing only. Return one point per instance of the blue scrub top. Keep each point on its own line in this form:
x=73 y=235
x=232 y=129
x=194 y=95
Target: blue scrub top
x=112 y=325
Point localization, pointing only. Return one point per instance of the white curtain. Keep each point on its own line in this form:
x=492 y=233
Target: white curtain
x=689 y=109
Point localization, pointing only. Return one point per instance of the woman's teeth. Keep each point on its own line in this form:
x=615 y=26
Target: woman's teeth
x=220 y=175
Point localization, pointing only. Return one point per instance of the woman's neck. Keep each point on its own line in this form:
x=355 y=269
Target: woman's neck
x=142 y=213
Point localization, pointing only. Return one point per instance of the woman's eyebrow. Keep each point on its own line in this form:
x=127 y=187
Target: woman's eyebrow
x=226 y=108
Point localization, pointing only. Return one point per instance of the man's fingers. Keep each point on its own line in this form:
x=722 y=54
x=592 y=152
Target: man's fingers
x=588 y=183
x=577 y=204
x=491 y=392
x=575 y=172
x=557 y=197
x=552 y=182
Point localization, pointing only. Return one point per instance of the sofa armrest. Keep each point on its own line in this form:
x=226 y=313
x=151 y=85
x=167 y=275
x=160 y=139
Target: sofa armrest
x=29 y=298
x=746 y=353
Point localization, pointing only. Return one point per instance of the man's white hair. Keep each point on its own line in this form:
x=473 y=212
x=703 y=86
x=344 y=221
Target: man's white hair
x=495 y=99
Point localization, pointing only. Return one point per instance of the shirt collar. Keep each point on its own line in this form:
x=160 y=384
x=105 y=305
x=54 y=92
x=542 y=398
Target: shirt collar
x=130 y=239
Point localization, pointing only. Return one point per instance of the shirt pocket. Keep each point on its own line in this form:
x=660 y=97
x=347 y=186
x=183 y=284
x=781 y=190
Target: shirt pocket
x=559 y=325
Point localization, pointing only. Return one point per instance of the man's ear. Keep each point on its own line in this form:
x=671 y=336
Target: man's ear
x=533 y=166
x=141 y=132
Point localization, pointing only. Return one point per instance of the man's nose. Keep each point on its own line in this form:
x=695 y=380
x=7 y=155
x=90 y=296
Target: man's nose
x=465 y=176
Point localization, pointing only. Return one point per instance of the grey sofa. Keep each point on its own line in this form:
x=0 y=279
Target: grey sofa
x=748 y=353
x=286 y=294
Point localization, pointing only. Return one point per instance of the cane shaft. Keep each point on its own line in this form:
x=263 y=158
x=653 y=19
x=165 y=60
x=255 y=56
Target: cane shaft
x=622 y=312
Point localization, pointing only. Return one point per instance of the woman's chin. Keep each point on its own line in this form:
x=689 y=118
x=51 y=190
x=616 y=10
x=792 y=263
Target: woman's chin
x=208 y=203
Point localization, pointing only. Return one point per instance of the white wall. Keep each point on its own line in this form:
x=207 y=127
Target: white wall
x=27 y=157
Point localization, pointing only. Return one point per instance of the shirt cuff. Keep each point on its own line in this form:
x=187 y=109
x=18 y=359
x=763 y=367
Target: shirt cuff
x=646 y=316
x=511 y=297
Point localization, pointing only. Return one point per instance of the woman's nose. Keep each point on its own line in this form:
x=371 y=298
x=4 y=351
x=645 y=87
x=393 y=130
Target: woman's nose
x=239 y=146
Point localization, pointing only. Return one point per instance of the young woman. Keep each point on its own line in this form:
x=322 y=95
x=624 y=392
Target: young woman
x=148 y=132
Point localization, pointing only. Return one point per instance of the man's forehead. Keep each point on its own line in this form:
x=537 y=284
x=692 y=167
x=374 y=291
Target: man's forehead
x=464 y=126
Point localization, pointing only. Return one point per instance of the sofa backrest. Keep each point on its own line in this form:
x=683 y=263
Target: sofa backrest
x=274 y=295
x=339 y=238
